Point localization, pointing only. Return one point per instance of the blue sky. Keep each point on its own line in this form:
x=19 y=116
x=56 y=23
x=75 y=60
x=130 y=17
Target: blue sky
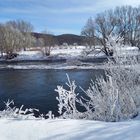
x=57 y=16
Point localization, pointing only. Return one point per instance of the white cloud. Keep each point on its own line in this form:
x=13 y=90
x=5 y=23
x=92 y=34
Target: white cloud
x=79 y=6
x=92 y=6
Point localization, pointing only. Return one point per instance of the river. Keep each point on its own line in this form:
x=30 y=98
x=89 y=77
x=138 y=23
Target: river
x=35 y=88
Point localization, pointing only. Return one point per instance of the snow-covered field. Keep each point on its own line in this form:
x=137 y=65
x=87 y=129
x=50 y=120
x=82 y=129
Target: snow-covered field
x=68 y=130
x=56 y=52
x=69 y=52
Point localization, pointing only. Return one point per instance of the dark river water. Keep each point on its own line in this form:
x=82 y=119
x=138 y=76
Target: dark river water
x=35 y=88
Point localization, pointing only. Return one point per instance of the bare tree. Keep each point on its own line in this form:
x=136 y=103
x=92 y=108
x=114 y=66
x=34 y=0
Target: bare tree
x=105 y=26
x=10 y=40
x=102 y=27
x=48 y=42
x=2 y=39
x=89 y=33
x=25 y=28
x=128 y=24
x=122 y=21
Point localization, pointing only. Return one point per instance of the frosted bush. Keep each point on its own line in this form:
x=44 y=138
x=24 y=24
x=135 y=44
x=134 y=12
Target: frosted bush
x=13 y=112
x=108 y=101
x=67 y=100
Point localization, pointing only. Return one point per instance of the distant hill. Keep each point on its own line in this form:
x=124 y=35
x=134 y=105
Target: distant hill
x=70 y=39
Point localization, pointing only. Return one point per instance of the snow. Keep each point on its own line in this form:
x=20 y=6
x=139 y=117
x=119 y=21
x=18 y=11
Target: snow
x=72 y=52
x=56 y=52
x=29 y=55
x=128 y=50
x=49 y=66
x=59 y=129
x=69 y=53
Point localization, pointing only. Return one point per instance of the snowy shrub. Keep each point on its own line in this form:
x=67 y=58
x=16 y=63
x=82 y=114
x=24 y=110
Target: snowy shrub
x=113 y=98
x=13 y=112
x=108 y=101
x=49 y=115
x=67 y=100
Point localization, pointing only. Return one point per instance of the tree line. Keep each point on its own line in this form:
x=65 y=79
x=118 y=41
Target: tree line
x=122 y=22
x=16 y=35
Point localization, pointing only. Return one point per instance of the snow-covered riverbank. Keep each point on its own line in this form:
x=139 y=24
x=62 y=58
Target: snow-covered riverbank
x=64 y=58
x=68 y=130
